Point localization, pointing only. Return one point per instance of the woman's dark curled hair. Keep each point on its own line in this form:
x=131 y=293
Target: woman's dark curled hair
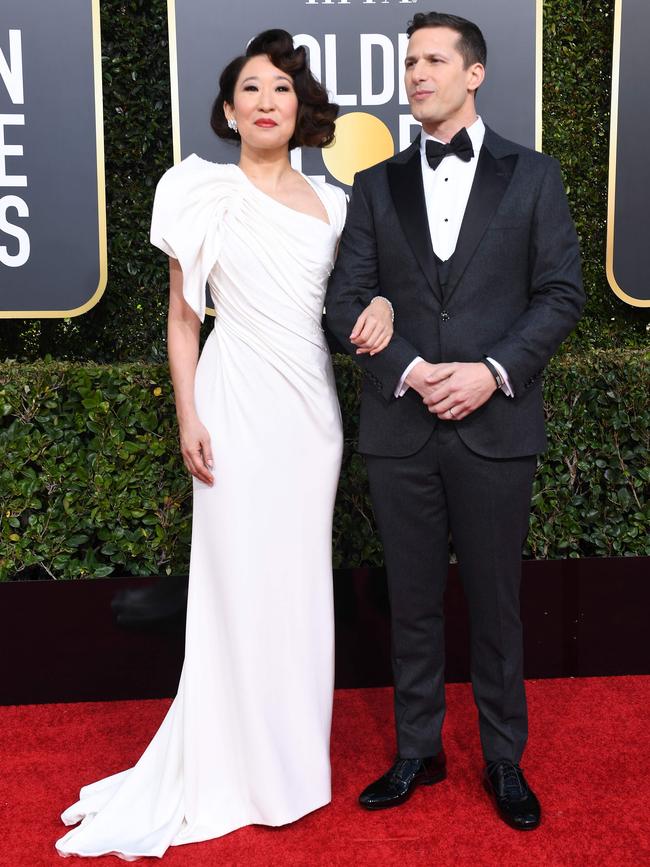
x=316 y=114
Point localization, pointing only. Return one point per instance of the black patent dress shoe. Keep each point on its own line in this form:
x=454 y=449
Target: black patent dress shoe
x=515 y=801
x=397 y=785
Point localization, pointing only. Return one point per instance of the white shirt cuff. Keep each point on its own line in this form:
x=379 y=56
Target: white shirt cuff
x=506 y=388
x=402 y=387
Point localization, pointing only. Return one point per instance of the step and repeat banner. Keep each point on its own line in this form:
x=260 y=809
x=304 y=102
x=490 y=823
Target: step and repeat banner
x=628 y=250
x=52 y=203
x=357 y=49
x=52 y=198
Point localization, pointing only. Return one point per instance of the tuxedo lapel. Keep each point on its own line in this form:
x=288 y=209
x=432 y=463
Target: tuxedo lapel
x=407 y=191
x=490 y=183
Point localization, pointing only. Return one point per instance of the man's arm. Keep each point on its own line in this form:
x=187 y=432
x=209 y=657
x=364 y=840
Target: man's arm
x=556 y=294
x=353 y=285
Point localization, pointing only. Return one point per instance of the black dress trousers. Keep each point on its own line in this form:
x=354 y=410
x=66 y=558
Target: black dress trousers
x=485 y=504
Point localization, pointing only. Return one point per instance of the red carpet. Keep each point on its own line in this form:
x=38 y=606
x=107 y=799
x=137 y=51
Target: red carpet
x=588 y=758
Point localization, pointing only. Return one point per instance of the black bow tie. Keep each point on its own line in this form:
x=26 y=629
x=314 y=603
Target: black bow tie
x=461 y=145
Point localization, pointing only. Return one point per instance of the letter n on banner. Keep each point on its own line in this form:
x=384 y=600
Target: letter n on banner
x=52 y=195
x=628 y=251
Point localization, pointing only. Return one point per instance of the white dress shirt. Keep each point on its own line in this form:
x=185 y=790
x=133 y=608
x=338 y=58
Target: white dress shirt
x=446 y=193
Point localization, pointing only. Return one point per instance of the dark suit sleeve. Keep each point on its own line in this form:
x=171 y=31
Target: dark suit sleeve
x=353 y=285
x=556 y=294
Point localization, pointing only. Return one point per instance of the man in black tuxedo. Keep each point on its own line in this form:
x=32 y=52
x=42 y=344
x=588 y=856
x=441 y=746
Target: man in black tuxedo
x=470 y=237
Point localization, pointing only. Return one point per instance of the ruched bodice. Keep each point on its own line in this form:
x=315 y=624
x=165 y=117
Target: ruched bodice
x=225 y=231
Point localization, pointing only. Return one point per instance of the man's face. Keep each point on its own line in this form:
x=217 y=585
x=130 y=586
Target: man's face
x=438 y=86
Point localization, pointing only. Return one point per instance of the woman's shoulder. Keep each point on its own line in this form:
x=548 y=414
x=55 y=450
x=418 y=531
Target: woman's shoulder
x=332 y=190
x=194 y=169
x=189 y=195
x=340 y=194
x=336 y=198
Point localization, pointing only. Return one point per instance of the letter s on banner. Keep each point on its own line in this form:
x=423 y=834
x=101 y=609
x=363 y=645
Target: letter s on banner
x=19 y=258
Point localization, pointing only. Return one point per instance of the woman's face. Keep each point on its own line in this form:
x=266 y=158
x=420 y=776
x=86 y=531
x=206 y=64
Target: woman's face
x=265 y=105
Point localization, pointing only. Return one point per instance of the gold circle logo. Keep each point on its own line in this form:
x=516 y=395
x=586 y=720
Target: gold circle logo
x=362 y=140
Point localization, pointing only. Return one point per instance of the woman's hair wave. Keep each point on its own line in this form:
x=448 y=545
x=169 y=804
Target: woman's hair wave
x=315 y=122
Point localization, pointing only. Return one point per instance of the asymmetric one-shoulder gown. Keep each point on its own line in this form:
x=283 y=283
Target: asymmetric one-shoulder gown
x=246 y=739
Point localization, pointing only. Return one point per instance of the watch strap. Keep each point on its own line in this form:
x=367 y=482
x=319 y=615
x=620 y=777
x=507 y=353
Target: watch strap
x=495 y=373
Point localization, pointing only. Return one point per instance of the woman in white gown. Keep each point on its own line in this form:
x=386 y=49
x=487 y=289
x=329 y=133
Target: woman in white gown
x=246 y=739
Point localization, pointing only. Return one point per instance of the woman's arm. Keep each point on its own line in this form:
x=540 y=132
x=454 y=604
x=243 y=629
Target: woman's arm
x=183 y=327
x=374 y=328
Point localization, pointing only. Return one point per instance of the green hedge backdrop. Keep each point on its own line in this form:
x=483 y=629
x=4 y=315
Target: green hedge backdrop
x=91 y=482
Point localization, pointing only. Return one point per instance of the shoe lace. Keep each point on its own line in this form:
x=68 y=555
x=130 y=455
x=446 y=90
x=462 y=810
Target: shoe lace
x=397 y=771
x=513 y=781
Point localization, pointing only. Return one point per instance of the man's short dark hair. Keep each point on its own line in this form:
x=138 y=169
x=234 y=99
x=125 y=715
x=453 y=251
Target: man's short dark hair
x=471 y=43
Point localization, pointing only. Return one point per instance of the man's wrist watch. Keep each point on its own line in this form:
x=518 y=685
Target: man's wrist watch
x=495 y=373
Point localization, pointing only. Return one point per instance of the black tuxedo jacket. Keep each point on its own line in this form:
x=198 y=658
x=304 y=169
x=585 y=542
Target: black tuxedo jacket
x=514 y=293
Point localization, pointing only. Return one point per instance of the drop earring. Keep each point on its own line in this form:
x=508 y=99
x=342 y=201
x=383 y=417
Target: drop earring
x=232 y=124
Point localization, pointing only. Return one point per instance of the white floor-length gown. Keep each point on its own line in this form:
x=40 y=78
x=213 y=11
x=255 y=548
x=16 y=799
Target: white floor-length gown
x=246 y=739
